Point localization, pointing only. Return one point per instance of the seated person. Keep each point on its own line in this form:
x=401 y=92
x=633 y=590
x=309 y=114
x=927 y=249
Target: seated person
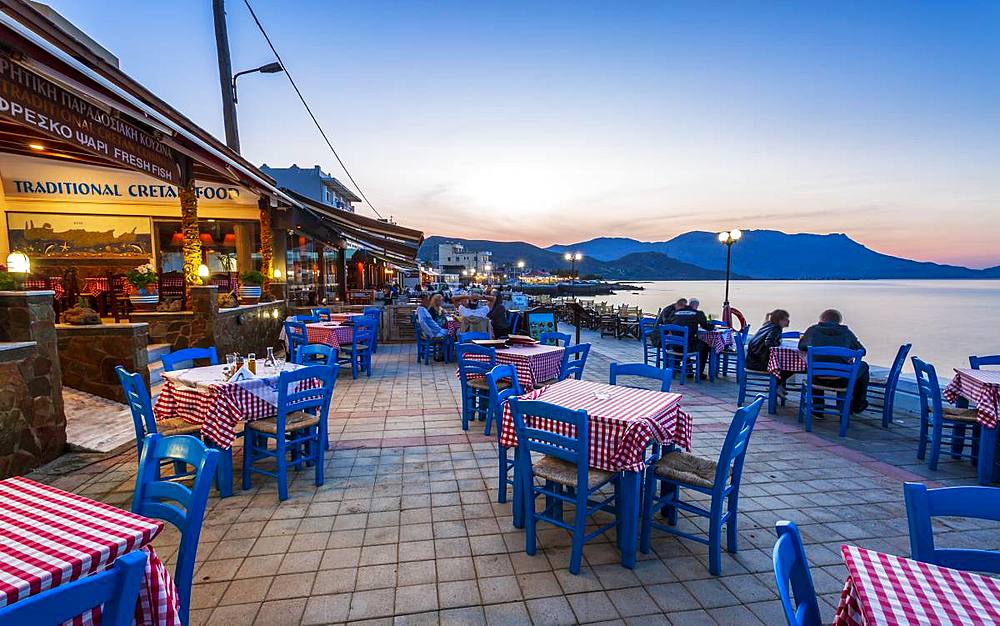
x=474 y=311
x=664 y=318
x=767 y=337
x=436 y=309
x=831 y=332
x=693 y=319
x=498 y=314
x=430 y=328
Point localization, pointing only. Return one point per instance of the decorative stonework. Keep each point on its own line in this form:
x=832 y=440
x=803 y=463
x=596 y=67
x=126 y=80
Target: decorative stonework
x=32 y=421
x=88 y=356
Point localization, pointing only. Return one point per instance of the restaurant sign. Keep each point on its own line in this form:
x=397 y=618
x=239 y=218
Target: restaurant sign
x=35 y=101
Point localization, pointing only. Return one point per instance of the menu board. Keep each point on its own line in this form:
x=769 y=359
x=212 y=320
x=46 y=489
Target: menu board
x=519 y=301
x=541 y=322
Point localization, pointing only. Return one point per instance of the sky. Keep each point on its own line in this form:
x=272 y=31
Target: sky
x=556 y=122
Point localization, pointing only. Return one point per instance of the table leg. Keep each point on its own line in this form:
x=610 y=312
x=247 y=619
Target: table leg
x=986 y=470
x=631 y=482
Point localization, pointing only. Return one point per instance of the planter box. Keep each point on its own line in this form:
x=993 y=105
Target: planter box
x=250 y=294
x=145 y=303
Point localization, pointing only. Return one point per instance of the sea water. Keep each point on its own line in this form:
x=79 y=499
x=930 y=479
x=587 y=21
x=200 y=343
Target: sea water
x=945 y=320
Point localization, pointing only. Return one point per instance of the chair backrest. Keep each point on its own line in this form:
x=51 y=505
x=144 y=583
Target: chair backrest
x=373 y=311
x=512 y=320
x=362 y=335
x=734 y=448
x=499 y=397
x=117 y=588
x=306 y=319
x=833 y=362
x=296 y=335
x=896 y=370
x=185 y=358
x=793 y=578
x=472 y=336
x=673 y=335
x=663 y=376
x=922 y=504
x=139 y=403
x=647 y=326
x=553 y=338
x=791 y=334
x=315 y=354
x=155 y=498
x=573 y=448
x=294 y=394
x=574 y=359
x=976 y=362
x=717 y=323
x=323 y=315
x=931 y=406
x=474 y=366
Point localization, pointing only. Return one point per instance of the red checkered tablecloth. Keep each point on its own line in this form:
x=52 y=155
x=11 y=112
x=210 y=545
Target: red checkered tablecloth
x=49 y=537
x=621 y=424
x=717 y=340
x=981 y=387
x=883 y=589
x=55 y=284
x=94 y=286
x=786 y=358
x=534 y=364
x=453 y=326
x=330 y=333
x=218 y=406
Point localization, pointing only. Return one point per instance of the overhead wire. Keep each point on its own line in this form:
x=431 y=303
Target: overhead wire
x=305 y=104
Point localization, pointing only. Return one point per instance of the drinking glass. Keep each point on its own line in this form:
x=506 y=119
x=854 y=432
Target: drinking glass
x=231 y=359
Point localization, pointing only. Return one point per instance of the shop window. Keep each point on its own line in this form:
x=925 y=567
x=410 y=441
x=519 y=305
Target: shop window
x=226 y=246
x=302 y=265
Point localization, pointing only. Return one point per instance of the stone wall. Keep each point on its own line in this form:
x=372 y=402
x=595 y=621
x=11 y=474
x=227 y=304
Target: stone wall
x=250 y=328
x=32 y=420
x=88 y=356
x=175 y=328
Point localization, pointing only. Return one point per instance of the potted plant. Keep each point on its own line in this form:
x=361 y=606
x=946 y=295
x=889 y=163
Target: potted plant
x=250 y=283
x=145 y=282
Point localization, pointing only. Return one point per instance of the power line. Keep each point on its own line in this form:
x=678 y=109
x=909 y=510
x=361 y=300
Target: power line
x=302 y=99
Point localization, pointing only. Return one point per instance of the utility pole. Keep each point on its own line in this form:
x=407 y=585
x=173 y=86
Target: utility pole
x=226 y=75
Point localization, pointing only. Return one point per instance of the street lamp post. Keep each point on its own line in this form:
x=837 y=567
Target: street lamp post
x=728 y=237
x=573 y=257
x=269 y=68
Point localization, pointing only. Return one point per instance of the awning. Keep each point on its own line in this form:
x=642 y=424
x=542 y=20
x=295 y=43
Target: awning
x=392 y=243
x=64 y=100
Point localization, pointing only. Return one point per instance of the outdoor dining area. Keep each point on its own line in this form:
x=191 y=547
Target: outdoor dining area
x=659 y=493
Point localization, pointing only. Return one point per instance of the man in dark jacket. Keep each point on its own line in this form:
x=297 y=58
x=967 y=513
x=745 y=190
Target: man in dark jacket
x=693 y=319
x=830 y=332
x=664 y=318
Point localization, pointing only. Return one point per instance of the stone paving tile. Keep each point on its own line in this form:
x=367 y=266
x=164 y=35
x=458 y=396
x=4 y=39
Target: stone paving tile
x=407 y=529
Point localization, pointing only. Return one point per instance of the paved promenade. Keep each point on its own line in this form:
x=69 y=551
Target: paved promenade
x=407 y=530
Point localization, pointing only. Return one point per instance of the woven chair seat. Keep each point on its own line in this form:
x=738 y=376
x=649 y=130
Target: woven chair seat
x=564 y=472
x=761 y=372
x=960 y=415
x=688 y=468
x=481 y=384
x=177 y=426
x=293 y=421
x=878 y=380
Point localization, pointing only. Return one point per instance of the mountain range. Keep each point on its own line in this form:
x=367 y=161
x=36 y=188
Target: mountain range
x=698 y=255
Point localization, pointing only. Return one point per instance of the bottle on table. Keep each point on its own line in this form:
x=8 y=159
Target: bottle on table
x=269 y=360
x=252 y=363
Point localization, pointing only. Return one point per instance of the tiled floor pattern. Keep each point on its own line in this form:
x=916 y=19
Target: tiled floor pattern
x=407 y=530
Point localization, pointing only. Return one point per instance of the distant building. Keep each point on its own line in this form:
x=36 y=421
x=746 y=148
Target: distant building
x=315 y=184
x=453 y=258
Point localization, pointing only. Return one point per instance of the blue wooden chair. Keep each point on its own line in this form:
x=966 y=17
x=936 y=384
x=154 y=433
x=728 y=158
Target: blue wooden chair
x=882 y=389
x=322 y=314
x=175 y=503
x=373 y=313
x=719 y=479
x=504 y=385
x=566 y=472
x=430 y=347
x=729 y=355
x=472 y=335
x=793 y=578
x=141 y=407
x=298 y=430
x=976 y=362
x=117 y=588
x=574 y=360
x=185 y=358
x=922 y=504
x=650 y=352
x=962 y=425
x=791 y=334
x=370 y=323
x=555 y=338
x=295 y=336
x=473 y=363
x=641 y=370
x=674 y=351
x=359 y=353
x=306 y=319
x=754 y=382
x=828 y=376
x=316 y=354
